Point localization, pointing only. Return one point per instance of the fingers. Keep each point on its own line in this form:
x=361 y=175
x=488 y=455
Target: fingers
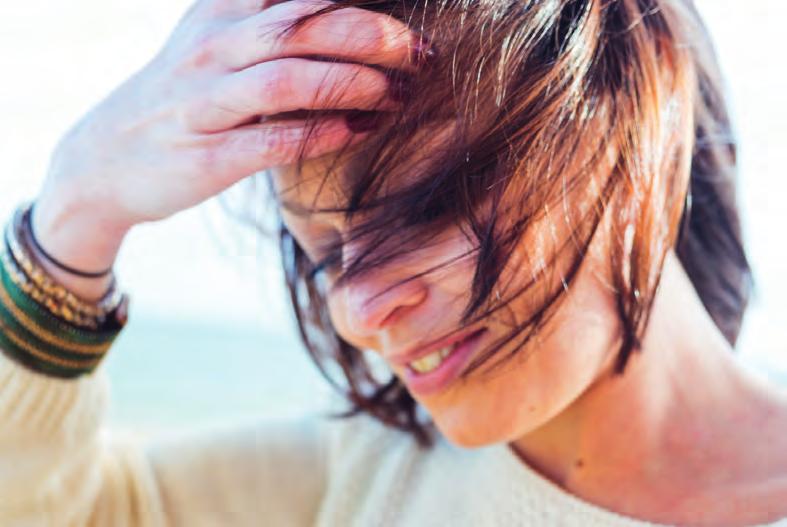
x=286 y=85
x=350 y=34
x=212 y=9
x=235 y=154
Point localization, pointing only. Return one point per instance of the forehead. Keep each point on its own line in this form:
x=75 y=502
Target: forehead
x=327 y=182
x=317 y=184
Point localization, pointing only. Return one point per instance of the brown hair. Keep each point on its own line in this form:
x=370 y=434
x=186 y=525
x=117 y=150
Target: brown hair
x=528 y=85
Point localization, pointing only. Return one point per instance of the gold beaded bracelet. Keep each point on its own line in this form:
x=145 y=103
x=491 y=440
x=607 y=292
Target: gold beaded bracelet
x=55 y=306
x=59 y=300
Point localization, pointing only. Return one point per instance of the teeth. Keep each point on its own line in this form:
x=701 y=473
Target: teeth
x=431 y=361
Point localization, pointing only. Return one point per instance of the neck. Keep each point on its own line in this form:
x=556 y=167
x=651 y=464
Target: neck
x=661 y=426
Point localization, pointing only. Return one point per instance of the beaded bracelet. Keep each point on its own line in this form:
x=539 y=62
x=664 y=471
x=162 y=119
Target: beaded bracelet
x=60 y=300
x=39 y=327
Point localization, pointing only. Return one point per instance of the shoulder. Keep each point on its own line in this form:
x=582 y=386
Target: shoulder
x=364 y=437
x=367 y=460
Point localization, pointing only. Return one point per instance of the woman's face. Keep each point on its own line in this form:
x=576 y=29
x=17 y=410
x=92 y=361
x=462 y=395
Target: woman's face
x=375 y=314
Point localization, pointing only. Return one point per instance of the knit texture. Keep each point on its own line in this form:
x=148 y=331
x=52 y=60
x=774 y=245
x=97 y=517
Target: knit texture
x=59 y=468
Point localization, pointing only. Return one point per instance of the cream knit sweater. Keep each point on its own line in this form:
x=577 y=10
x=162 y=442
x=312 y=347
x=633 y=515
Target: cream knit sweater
x=58 y=468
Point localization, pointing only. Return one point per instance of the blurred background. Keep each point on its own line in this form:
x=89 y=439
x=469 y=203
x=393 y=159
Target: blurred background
x=210 y=338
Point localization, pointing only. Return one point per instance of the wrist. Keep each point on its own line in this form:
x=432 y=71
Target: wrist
x=76 y=236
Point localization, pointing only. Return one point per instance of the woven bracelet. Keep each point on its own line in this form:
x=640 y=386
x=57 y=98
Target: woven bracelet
x=40 y=337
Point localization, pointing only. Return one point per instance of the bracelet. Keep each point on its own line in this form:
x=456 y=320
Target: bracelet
x=39 y=328
x=34 y=337
x=27 y=222
x=20 y=280
x=59 y=295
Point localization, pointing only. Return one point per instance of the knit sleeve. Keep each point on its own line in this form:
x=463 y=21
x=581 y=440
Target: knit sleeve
x=59 y=467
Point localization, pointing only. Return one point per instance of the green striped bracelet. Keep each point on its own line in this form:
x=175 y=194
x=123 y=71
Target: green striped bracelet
x=34 y=337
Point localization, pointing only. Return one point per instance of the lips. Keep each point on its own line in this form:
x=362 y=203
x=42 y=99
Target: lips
x=416 y=353
x=441 y=377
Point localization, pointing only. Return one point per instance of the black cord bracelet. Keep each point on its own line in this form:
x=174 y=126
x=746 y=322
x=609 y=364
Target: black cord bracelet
x=28 y=224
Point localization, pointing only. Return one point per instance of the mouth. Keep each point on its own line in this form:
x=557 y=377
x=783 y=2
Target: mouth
x=434 y=369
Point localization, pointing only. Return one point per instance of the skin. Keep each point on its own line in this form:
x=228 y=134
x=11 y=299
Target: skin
x=187 y=125
x=648 y=444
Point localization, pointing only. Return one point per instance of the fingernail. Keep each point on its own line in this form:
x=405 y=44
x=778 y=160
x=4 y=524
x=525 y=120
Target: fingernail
x=400 y=87
x=359 y=121
x=422 y=51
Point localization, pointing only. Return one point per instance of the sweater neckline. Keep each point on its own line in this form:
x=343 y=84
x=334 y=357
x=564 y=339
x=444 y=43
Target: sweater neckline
x=523 y=475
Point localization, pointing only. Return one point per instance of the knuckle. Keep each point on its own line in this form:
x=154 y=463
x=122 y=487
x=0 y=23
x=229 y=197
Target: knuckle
x=206 y=160
x=272 y=142
x=203 y=50
x=275 y=79
x=277 y=143
x=260 y=146
x=190 y=114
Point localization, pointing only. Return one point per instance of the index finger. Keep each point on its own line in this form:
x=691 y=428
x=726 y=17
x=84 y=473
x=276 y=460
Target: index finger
x=350 y=34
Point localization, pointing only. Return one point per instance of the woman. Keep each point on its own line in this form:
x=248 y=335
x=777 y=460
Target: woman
x=525 y=209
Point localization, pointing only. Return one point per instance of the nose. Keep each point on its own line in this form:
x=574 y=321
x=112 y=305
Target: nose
x=375 y=301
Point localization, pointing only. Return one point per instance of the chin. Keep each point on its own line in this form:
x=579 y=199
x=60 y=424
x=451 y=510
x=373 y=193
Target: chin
x=474 y=428
x=465 y=438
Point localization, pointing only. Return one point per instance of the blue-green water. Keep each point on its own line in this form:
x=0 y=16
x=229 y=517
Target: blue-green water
x=170 y=374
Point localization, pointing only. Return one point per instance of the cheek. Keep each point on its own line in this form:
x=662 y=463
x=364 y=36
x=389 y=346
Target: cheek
x=542 y=380
x=508 y=403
